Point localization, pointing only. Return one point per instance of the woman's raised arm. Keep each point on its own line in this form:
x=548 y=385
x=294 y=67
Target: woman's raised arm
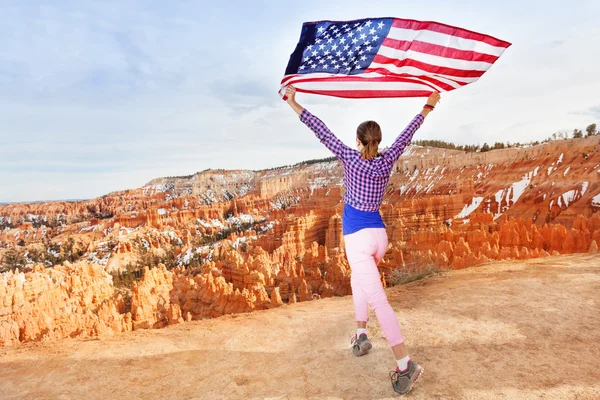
x=335 y=145
x=397 y=148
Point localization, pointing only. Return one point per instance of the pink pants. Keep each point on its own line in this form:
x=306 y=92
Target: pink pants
x=364 y=250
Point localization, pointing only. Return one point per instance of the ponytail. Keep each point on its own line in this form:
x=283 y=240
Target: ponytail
x=370 y=150
x=369 y=134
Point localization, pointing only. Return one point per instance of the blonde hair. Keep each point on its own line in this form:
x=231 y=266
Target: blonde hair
x=369 y=134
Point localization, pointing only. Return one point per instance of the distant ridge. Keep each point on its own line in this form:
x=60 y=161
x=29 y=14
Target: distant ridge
x=42 y=201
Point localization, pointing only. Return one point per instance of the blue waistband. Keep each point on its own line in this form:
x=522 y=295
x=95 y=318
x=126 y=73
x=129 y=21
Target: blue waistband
x=354 y=220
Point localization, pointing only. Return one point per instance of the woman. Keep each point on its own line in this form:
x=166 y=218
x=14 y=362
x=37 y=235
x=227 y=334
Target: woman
x=366 y=173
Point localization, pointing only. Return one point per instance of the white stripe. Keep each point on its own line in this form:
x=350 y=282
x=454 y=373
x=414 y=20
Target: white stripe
x=434 y=60
x=416 y=72
x=324 y=75
x=326 y=85
x=454 y=84
x=449 y=81
x=367 y=76
x=445 y=40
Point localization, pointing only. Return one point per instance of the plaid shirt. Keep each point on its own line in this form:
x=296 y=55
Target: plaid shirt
x=365 y=180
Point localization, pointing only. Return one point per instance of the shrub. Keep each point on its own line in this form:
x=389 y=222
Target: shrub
x=12 y=259
x=412 y=272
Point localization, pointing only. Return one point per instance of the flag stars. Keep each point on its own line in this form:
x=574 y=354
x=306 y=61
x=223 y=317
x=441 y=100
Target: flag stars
x=342 y=48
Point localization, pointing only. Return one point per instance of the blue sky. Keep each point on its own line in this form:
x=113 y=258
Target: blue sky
x=103 y=96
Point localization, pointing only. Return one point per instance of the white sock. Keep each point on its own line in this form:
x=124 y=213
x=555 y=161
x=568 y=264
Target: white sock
x=361 y=330
x=403 y=363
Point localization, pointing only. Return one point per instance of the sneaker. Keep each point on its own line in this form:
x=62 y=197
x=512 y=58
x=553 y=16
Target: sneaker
x=361 y=345
x=403 y=381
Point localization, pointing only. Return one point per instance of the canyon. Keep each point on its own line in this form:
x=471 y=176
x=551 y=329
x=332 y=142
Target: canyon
x=217 y=242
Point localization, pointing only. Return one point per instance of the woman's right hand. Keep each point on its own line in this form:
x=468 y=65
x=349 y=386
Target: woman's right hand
x=290 y=93
x=433 y=99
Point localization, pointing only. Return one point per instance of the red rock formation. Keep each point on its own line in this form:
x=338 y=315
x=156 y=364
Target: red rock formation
x=261 y=239
x=276 y=298
x=64 y=301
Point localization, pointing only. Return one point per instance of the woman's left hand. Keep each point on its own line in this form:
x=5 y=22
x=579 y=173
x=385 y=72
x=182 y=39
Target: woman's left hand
x=290 y=93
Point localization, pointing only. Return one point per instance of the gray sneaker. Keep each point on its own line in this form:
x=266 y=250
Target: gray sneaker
x=403 y=381
x=361 y=345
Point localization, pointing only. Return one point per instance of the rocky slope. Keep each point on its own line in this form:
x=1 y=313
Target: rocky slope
x=221 y=242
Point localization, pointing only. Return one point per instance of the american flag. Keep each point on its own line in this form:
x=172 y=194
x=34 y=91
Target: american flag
x=388 y=57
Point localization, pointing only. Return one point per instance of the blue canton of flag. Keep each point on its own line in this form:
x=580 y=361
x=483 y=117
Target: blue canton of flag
x=338 y=47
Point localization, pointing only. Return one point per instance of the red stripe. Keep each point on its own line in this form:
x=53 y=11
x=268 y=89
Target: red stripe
x=287 y=78
x=437 y=50
x=384 y=71
x=364 y=94
x=438 y=83
x=434 y=69
x=448 y=30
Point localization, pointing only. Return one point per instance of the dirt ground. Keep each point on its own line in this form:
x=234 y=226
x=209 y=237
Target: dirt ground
x=512 y=330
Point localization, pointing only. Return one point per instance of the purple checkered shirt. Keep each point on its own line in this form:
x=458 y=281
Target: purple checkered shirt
x=365 y=180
